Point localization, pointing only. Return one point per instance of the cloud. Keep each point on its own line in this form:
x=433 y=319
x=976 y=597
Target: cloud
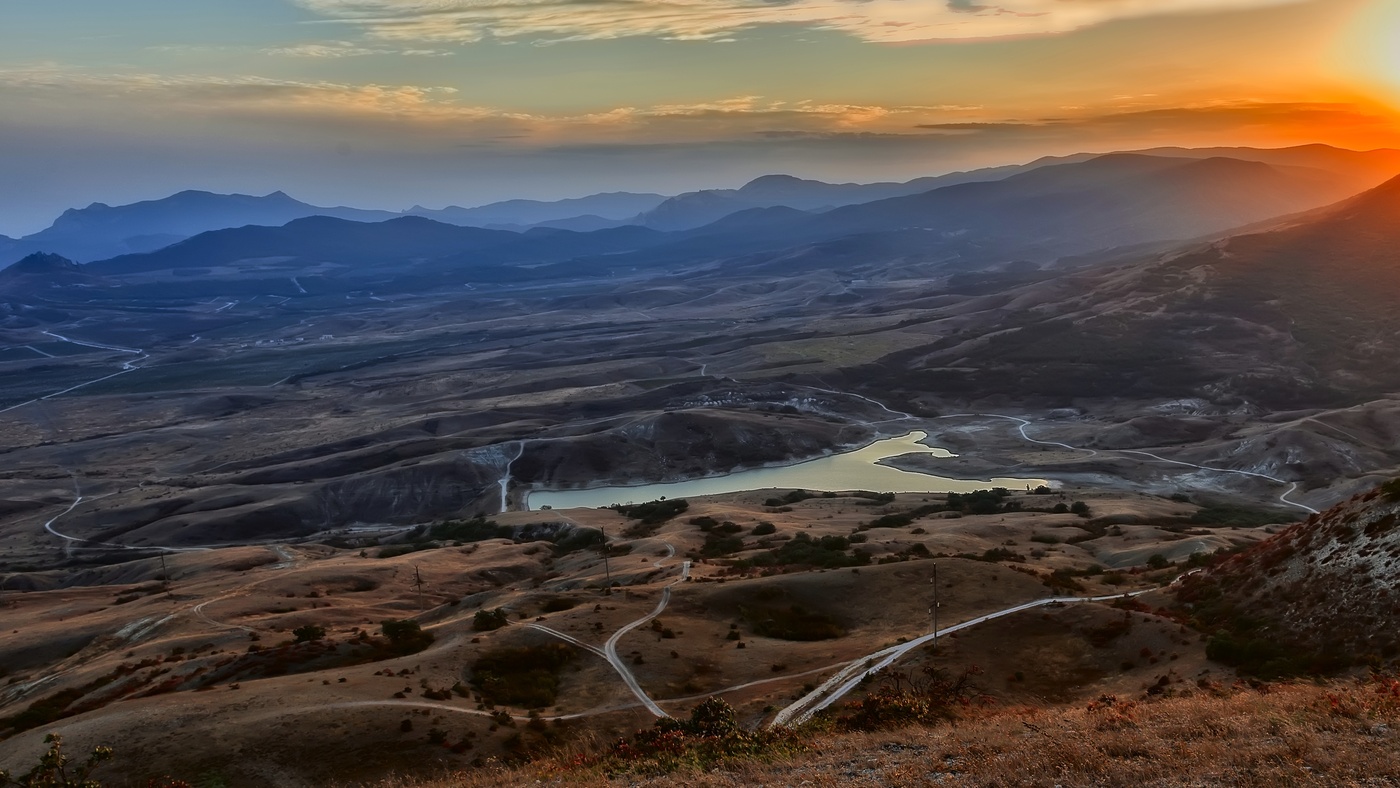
x=339 y=49
x=435 y=117
x=1243 y=115
x=885 y=21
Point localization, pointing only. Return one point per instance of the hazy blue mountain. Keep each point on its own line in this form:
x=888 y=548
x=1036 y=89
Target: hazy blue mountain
x=41 y=272
x=1299 y=314
x=313 y=240
x=1109 y=201
x=1368 y=168
x=525 y=213
x=697 y=209
x=320 y=255
x=101 y=231
x=1039 y=215
x=583 y=224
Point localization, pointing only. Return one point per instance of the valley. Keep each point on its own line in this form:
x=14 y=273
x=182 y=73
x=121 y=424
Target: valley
x=379 y=490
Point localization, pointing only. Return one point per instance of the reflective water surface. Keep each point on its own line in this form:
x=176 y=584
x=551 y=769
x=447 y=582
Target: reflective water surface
x=855 y=470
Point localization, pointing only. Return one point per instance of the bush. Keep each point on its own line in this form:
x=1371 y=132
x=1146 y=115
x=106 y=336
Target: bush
x=406 y=636
x=308 y=633
x=654 y=512
x=764 y=529
x=795 y=623
x=557 y=604
x=896 y=520
x=802 y=550
x=796 y=496
x=930 y=697
x=478 y=529
x=488 y=620
x=53 y=769
x=527 y=676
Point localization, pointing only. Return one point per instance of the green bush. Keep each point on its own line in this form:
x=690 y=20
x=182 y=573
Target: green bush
x=478 y=529
x=654 y=512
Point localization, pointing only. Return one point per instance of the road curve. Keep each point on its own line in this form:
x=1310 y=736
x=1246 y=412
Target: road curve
x=609 y=649
x=852 y=675
x=1283 y=498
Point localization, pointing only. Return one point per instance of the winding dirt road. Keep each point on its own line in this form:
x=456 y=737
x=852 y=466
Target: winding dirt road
x=836 y=687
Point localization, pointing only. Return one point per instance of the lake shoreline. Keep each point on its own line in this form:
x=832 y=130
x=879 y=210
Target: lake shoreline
x=859 y=465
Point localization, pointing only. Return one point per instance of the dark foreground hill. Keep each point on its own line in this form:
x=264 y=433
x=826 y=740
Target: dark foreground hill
x=1318 y=597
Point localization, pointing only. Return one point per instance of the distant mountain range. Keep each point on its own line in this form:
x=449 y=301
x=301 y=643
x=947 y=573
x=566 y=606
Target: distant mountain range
x=582 y=213
x=1037 y=212
x=100 y=231
x=1297 y=313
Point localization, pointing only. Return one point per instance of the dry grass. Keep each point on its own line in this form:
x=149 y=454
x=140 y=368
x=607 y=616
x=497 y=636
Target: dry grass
x=1336 y=734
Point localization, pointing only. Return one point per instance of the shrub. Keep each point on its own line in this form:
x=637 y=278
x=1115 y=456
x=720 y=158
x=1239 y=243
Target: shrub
x=556 y=604
x=764 y=529
x=897 y=520
x=796 y=496
x=488 y=620
x=478 y=529
x=527 y=676
x=308 y=633
x=932 y=696
x=54 y=767
x=654 y=512
x=802 y=550
x=794 y=623
x=406 y=636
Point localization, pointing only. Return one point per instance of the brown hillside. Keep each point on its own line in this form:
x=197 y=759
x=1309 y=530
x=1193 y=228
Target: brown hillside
x=1320 y=596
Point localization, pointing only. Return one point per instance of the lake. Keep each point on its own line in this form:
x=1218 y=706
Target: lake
x=853 y=470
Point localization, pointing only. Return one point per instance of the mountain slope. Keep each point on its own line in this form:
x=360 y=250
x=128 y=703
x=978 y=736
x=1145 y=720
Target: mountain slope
x=1318 y=597
x=695 y=209
x=1298 y=316
x=1114 y=200
x=607 y=206
x=40 y=272
x=313 y=240
x=101 y=231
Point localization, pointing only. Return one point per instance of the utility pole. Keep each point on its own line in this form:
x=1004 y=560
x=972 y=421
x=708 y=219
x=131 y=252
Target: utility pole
x=164 y=574
x=607 y=568
x=418 y=581
x=933 y=611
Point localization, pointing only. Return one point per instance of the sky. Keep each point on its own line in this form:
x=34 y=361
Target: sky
x=391 y=103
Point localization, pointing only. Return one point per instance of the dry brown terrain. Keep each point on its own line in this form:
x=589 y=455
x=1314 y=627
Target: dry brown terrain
x=1340 y=734
x=203 y=680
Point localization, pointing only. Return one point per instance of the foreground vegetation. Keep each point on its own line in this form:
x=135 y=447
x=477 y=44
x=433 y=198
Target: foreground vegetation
x=1340 y=733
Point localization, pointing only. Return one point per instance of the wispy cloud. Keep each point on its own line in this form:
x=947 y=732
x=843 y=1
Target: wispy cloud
x=434 y=113
x=887 y=21
x=339 y=49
